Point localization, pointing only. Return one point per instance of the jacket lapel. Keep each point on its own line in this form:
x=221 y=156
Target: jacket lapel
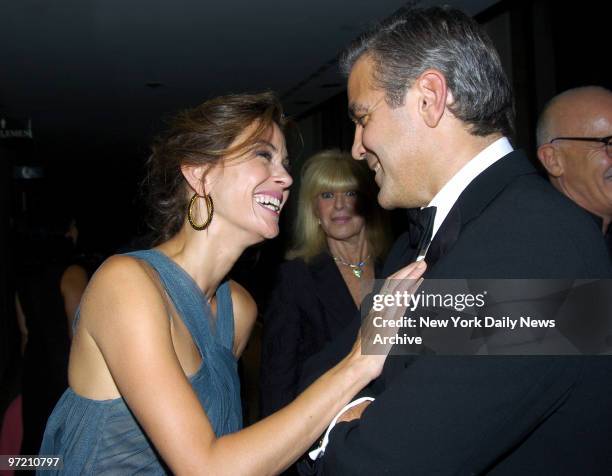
x=470 y=204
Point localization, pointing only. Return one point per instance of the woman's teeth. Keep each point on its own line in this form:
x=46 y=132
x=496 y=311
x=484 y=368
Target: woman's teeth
x=271 y=203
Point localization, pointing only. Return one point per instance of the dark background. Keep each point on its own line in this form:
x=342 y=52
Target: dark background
x=89 y=144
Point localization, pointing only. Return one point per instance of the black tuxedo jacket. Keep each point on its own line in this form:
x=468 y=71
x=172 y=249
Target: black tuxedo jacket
x=492 y=415
x=309 y=307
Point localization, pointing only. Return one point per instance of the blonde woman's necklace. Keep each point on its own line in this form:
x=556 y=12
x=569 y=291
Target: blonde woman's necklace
x=356 y=268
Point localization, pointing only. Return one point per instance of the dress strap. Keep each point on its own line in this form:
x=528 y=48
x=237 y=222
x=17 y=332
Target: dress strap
x=225 y=315
x=75 y=321
x=191 y=304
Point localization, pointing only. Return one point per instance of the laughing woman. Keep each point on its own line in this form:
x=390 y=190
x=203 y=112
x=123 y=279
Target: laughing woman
x=153 y=382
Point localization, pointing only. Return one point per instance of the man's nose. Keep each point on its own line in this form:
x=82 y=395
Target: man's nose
x=358 y=151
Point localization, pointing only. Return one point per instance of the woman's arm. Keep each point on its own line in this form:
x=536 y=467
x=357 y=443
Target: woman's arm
x=125 y=314
x=72 y=286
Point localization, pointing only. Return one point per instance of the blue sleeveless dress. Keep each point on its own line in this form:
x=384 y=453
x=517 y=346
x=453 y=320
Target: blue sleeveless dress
x=103 y=437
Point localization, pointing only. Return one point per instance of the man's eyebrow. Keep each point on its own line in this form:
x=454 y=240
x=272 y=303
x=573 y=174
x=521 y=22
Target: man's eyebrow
x=355 y=108
x=268 y=143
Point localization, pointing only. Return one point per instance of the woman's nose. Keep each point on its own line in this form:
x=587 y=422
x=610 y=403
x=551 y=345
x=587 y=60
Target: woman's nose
x=284 y=178
x=339 y=200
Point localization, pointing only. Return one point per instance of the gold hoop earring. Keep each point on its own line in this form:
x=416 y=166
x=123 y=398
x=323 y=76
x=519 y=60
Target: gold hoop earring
x=210 y=209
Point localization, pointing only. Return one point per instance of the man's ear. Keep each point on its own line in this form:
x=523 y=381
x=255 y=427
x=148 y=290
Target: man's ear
x=551 y=160
x=433 y=96
x=197 y=177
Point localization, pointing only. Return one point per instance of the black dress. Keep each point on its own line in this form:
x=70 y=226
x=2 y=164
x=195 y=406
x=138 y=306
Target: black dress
x=310 y=308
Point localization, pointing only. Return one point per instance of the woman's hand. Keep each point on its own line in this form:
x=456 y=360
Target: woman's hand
x=407 y=279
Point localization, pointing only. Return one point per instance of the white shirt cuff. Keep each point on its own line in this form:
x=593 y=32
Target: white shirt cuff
x=318 y=452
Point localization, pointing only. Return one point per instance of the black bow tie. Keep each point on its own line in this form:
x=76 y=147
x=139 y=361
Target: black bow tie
x=420 y=227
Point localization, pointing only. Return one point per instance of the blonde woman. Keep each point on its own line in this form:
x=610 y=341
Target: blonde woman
x=340 y=237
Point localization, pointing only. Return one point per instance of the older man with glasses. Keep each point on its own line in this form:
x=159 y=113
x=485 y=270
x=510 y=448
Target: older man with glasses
x=575 y=148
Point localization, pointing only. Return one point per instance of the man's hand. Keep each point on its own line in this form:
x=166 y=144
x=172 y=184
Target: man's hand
x=354 y=412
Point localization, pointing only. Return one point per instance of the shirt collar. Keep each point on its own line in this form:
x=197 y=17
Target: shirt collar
x=448 y=195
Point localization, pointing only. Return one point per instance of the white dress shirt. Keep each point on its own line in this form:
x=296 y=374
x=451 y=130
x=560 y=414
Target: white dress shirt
x=448 y=195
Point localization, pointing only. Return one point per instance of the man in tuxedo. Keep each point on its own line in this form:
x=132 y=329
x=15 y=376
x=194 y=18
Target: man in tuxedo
x=574 y=136
x=433 y=109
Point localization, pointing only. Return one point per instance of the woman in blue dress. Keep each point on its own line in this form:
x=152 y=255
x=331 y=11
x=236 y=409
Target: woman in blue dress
x=152 y=373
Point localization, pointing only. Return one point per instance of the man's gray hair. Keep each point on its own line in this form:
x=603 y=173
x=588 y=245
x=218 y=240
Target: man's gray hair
x=449 y=41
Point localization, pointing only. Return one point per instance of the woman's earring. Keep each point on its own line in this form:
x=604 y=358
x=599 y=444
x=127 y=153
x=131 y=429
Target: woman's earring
x=209 y=208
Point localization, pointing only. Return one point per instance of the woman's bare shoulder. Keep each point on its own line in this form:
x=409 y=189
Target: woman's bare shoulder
x=121 y=285
x=75 y=272
x=242 y=300
x=245 y=314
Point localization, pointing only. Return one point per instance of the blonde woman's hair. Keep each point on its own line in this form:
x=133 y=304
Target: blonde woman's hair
x=333 y=170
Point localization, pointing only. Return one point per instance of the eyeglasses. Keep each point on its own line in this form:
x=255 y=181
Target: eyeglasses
x=607 y=141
